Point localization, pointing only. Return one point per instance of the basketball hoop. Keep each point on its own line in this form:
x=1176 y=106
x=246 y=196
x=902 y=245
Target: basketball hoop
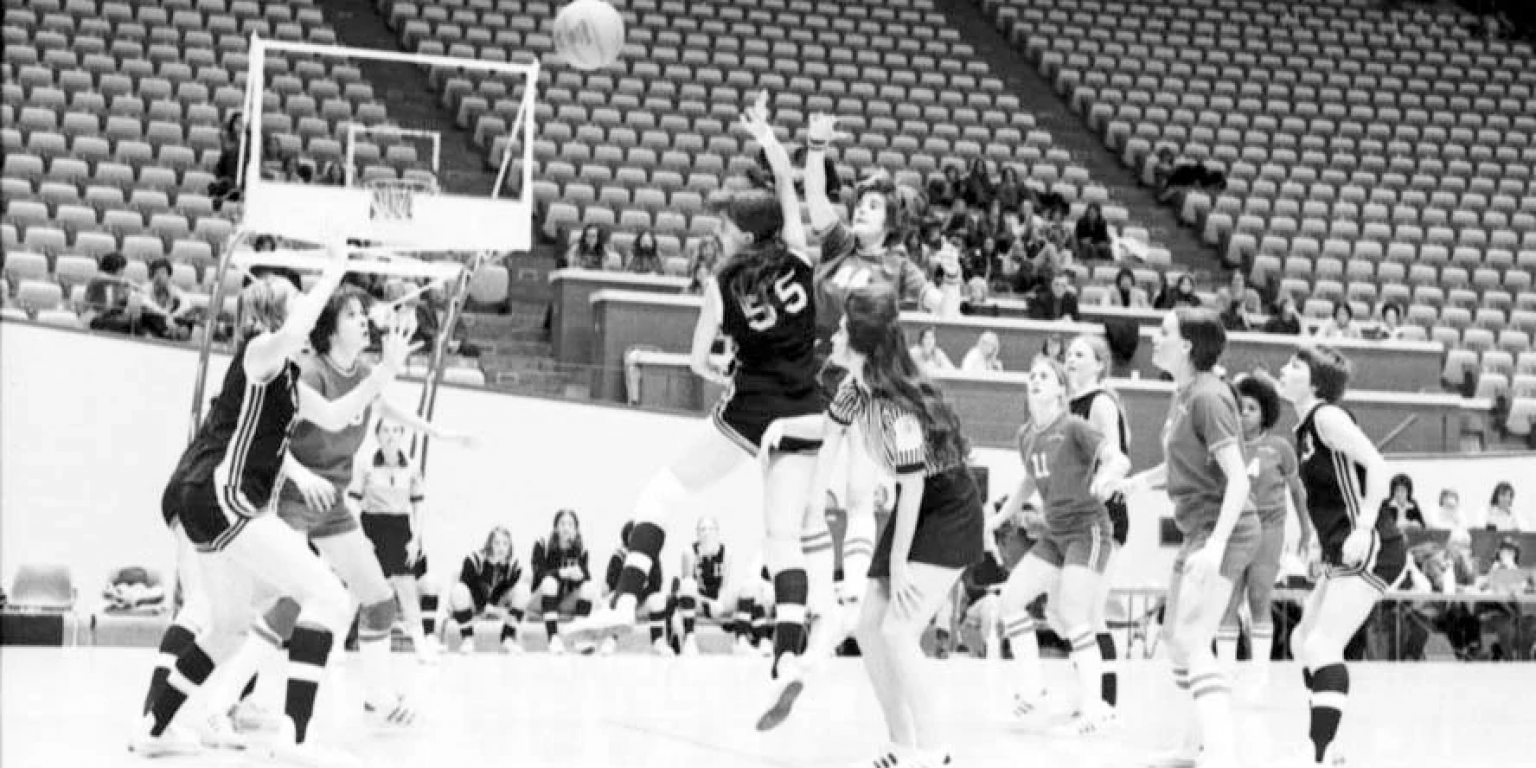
x=393 y=200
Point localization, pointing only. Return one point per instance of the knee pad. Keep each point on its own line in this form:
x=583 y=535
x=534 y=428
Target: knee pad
x=279 y=621
x=379 y=617
x=327 y=606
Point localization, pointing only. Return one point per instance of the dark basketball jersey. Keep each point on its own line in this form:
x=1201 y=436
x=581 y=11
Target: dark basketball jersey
x=1060 y=458
x=240 y=445
x=1335 y=488
x=549 y=558
x=775 y=339
x=709 y=571
x=1082 y=406
x=489 y=580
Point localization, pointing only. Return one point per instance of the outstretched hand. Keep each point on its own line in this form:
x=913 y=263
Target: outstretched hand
x=823 y=129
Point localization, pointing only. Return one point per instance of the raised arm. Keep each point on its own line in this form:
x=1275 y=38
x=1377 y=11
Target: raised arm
x=819 y=136
x=755 y=120
x=705 y=331
x=266 y=354
x=336 y=415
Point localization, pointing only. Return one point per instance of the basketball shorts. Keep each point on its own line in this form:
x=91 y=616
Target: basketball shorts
x=208 y=522
x=949 y=525
x=317 y=525
x=1119 y=518
x=1242 y=546
x=744 y=417
x=1089 y=548
x=1382 y=567
x=390 y=534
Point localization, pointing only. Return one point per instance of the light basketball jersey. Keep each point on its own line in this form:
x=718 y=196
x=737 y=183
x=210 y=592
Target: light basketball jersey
x=330 y=454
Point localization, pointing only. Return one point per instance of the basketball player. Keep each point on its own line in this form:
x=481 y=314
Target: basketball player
x=1346 y=480
x=1208 y=484
x=1071 y=463
x=709 y=588
x=1087 y=364
x=863 y=252
x=763 y=299
x=562 y=576
x=936 y=528
x=389 y=496
x=1271 y=471
x=330 y=371
x=491 y=579
x=217 y=502
x=653 y=600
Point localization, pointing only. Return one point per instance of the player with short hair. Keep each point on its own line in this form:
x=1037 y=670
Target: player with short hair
x=1072 y=464
x=218 y=500
x=490 y=581
x=1207 y=481
x=711 y=588
x=1272 y=471
x=1363 y=552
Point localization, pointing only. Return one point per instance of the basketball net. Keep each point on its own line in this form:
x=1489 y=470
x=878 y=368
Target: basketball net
x=393 y=201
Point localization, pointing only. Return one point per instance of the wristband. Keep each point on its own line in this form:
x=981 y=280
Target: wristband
x=815 y=145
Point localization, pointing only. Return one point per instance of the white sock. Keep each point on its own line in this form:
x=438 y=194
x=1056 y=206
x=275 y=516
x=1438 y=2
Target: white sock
x=373 y=665
x=858 y=550
x=1262 y=640
x=1020 y=631
x=1226 y=647
x=1213 y=712
x=1089 y=663
x=229 y=679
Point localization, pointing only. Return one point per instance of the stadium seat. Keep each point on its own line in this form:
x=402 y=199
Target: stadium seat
x=43 y=588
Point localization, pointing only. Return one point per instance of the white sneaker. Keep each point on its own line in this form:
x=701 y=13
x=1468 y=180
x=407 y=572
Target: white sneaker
x=786 y=689
x=174 y=742
x=889 y=758
x=397 y=712
x=1097 y=721
x=690 y=646
x=1031 y=708
x=285 y=749
x=429 y=651
x=610 y=644
x=466 y=645
x=512 y=647
x=744 y=646
x=605 y=620
x=764 y=648
x=217 y=732
x=556 y=646
x=249 y=717
x=431 y=645
x=1186 y=756
x=661 y=647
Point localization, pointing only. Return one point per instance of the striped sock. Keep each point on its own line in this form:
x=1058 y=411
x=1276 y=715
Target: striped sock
x=550 y=607
x=816 y=545
x=1330 y=692
x=509 y=625
x=1262 y=640
x=689 y=608
x=760 y=628
x=429 y=615
x=790 y=589
x=1087 y=659
x=1020 y=630
x=190 y=671
x=1226 y=644
x=858 y=550
x=1109 y=685
x=176 y=640
x=655 y=625
x=466 y=621
x=1213 y=708
x=745 y=610
x=308 y=651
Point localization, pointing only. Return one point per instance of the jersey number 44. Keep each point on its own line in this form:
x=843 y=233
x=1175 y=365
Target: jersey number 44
x=791 y=295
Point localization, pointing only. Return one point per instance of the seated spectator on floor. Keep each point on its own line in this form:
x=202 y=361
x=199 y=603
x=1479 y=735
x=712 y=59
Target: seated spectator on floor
x=1389 y=326
x=653 y=598
x=703 y=260
x=1233 y=318
x=1400 y=506
x=1284 y=319
x=591 y=251
x=710 y=587
x=927 y=353
x=644 y=259
x=562 y=576
x=1124 y=292
x=983 y=358
x=111 y=302
x=1056 y=301
x=165 y=312
x=1341 y=325
x=1092 y=235
x=490 y=584
x=1501 y=509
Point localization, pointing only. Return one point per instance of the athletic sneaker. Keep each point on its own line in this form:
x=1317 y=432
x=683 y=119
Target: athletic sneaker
x=1031 y=708
x=174 y=742
x=1097 y=721
x=887 y=759
x=690 y=646
x=787 y=687
x=512 y=646
x=250 y=717
x=604 y=620
x=1303 y=758
x=284 y=749
x=428 y=652
x=556 y=645
x=661 y=647
x=217 y=732
x=393 y=713
x=1179 y=757
x=467 y=645
x=744 y=646
x=610 y=644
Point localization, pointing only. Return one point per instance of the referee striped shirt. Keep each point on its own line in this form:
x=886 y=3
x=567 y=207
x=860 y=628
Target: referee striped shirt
x=894 y=436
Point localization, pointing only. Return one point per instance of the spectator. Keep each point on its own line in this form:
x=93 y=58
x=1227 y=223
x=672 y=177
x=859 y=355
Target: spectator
x=1505 y=574
x=1450 y=517
x=958 y=223
x=1124 y=292
x=1093 y=241
x=644 y=258
x=164 y=312
x=978 y=190
x=562 y=576
x=1055 y=301
x=983 y=357
x=1389 y=327
x=942 y=192
x=1054 y=348
x=995 y=226
x=1400 y=504
x=1501 y=509
x=1162 y=172
x=1341 y=325
x=591 y=251
x=983 y=262
x=703 y=259
x=927 y=353
x=1010 y=193
x=226 y=170
x=1243 y=296
x=111 y=302
x=1182 y=295
x=1054 y=256
x=490 y=583
x=1284 y=319
x=1233 y=318
x=951 y=281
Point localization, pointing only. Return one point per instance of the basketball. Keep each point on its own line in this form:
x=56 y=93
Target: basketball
x=589 y=34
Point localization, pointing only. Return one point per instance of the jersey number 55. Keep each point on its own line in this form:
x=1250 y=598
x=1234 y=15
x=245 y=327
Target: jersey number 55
x=791 y=295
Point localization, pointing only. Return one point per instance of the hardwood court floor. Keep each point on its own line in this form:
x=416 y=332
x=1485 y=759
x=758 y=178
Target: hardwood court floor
x=75 y=707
